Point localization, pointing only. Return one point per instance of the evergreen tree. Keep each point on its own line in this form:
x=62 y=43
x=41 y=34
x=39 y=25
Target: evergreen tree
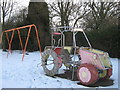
x=38 y=14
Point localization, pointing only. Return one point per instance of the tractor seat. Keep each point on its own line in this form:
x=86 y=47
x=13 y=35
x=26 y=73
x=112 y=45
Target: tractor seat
x=56 y=33
x=69 y=48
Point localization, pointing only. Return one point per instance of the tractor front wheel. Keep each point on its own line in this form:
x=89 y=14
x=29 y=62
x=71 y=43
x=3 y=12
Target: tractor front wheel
x=51 y=62
x=87 y=74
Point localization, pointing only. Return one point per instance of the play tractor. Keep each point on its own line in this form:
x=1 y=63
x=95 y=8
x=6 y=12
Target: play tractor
x=91 y=64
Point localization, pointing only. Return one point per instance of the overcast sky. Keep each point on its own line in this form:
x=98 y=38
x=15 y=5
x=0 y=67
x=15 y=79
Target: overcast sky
x=23 y=2
x=26 y=2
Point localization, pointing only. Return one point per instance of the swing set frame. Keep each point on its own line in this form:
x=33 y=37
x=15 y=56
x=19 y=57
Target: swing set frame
x=21 y=43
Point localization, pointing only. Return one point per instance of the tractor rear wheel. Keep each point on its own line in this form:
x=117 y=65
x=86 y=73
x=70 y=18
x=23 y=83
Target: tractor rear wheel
x=87 y=74
x=51 y=62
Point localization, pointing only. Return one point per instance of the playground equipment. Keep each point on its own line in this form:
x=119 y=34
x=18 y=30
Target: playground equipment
x=92 y=64
x=29 y=27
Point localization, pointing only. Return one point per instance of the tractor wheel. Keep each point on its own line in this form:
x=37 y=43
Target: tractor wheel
x=87 y=74
x=51 y=62
x=109 y=74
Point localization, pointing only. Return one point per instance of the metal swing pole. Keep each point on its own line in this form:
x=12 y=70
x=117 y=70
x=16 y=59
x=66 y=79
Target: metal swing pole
x=26 y=43
x=10 y=42
x=38 y=40
x=20 y=40
x=1 y=37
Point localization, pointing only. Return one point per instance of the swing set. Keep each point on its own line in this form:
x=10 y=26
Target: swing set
x=21 y=43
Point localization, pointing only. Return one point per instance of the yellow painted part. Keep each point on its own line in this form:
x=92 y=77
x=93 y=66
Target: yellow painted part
x=96 y=51
x=104 y=58
x=84 y=74
x=106 y=61
x=68 y=48
x=103 y=74
x=67 y=65
x=86 y=48
x=46 y=57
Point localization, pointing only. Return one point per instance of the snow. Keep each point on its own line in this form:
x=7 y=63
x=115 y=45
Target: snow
x=0 y=69
x=29 y=73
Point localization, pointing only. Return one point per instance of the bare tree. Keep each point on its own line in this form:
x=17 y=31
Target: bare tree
x=61 y=10
x=19 y=16
x=67 y=12
x=100 y=12
x=80 y=11
x=7 y=9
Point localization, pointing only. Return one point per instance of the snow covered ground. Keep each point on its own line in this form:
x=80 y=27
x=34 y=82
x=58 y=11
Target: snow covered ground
x=29 y=73
x=0 y=69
